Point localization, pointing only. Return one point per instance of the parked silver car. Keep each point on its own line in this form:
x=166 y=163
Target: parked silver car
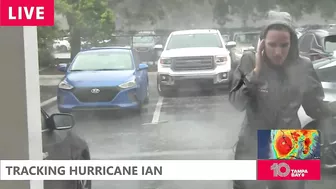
x=326 y=71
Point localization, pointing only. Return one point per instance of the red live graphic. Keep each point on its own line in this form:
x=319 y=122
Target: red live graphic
x=26 y=12
x=289 y=169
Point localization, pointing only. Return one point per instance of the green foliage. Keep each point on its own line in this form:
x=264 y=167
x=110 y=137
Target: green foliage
x=46 y=36
x=224 y=10
x=45 y=57
x=221 y=11
x=91 y=19
x=147 y=10
x=327 y=8
x=245 y=9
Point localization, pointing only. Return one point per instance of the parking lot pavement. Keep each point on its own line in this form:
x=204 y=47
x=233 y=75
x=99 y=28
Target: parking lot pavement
x=187 y=126
x=327 y=183
x=47 y=92
x=163 y=184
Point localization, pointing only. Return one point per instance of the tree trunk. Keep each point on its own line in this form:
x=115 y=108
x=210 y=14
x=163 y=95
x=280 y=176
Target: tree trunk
x=75 y=36
x=75 y=42
x=244 y=22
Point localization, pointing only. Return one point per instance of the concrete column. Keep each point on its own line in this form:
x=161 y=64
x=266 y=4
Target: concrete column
x=20 y=116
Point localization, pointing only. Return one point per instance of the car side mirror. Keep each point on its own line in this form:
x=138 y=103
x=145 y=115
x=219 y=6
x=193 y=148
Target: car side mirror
x=231 y=44
x=143 y=66
x=60 y=121
x=62 y=67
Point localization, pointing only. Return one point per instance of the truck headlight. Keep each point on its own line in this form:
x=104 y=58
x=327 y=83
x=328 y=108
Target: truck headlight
x=65 y=85
x=128 y=84
x=221 y=59
x=166 y=61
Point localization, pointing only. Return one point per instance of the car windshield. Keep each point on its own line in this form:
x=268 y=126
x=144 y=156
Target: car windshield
x=103 y=60
x=179 y=41
x=143 y=39
x=247 y=38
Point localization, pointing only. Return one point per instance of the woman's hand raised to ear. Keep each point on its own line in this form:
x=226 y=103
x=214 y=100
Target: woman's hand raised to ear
x=259 y=56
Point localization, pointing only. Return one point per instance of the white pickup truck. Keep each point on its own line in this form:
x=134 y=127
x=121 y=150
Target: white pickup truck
x=194 y=58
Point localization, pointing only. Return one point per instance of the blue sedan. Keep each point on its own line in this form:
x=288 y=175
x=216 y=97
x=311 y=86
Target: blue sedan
x=103 y=79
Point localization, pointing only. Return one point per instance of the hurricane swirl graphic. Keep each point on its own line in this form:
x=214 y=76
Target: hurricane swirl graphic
x=294 y=144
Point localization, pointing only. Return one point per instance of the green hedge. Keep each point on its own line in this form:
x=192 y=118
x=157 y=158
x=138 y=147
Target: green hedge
x=46 y=58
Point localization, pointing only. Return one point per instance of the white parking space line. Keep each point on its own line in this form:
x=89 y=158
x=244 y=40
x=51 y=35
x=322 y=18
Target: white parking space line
x=49 y=101
x=41 y=69
x=156 y=115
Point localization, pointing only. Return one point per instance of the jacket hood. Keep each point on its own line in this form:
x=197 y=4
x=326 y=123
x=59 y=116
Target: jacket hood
x=285 y=19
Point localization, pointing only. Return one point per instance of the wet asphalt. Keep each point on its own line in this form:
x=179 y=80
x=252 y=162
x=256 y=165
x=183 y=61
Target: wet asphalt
x=191 y=125
x=47 y=92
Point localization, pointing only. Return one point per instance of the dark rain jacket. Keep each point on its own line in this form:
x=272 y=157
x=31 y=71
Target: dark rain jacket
x=272 y=99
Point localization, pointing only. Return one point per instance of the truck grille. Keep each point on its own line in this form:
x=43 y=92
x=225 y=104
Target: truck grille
x=106 y=94
x=193 y=63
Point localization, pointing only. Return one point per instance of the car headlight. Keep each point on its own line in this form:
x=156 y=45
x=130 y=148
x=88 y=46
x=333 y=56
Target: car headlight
x=221 y=59
x=65 y=85
x=128 y=84
x=166 y=61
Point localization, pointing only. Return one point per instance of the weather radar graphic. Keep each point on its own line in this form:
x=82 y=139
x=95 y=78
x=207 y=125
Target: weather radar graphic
x=288 y=144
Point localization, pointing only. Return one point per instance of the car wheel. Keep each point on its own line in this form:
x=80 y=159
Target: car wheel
x=83 y=184
x=138 y=110
x=146 y=101
x=163 y=91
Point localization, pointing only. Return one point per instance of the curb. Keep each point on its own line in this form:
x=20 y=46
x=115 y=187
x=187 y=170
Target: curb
x=42 y=69
x=51 y=76
x=50 y=80
x=49 y=103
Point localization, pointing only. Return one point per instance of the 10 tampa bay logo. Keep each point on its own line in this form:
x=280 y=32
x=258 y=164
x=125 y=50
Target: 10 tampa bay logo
x=283 y=170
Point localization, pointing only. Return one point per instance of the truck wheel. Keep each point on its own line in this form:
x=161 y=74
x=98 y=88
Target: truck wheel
x=146 y=101
x=163 y=91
